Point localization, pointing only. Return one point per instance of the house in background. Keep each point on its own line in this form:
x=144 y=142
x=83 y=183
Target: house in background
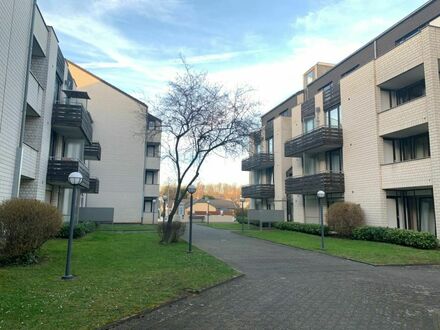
x=129 y=171
x=220 y=210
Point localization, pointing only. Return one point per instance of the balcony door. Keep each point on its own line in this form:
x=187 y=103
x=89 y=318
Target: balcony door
x=333 y=117
x=74 y=149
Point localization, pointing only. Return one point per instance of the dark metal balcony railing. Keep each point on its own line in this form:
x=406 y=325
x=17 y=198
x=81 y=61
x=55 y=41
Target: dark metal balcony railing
x=308 y=108
x=258 y=191
x=72 y=120
x=331 y=96
x=319 y=140
x=92 y=151
x=58 y=171
x=330 y=182
x=93 y=186
x=257 y=162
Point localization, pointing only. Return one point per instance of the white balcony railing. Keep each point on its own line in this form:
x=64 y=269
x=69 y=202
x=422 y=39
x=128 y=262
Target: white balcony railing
x=35 y=94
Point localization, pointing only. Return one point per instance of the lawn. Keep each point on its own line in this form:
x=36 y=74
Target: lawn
x=370 y=252
x=229 y=226
x=127 y=227
x=118 y=274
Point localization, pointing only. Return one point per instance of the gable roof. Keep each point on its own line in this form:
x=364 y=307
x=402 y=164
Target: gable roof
x=107 y=83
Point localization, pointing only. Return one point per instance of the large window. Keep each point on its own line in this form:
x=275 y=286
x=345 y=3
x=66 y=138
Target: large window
x=308 y=124
x=411 y=92
x=148 y=205
x=152 y=150
x=333 y=117
x=409 y=148
x=150 y=177
x=334 y=161
x=309 y=164
x=270 y=145
x=258 y=148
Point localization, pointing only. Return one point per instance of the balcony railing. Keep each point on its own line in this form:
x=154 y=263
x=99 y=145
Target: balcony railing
x=257 y=162
x=258 y=191
x=92 y=151
x=330 y=182
x=72 y=120
x=331 y=96
x=319 y=140
x=93 y=186
x=58 y=171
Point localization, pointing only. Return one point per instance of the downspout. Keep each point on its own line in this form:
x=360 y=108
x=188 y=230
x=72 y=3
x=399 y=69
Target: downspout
x=19 y=153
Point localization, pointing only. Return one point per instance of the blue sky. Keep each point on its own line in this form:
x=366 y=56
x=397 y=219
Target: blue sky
x=135 y=44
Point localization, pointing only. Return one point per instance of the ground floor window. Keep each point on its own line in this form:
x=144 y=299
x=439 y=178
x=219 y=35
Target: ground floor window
x=411 y=209
x=264 y=204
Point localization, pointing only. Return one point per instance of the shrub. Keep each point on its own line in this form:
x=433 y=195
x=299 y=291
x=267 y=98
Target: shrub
x=343 y=217
x=24 y=226
x=412 y=238
x=80 y=230
x=177 y=230
x=309 y=228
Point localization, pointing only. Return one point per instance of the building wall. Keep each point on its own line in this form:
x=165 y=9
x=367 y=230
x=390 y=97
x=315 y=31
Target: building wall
x=16 y=24
x=116 y=119
x=282 y=133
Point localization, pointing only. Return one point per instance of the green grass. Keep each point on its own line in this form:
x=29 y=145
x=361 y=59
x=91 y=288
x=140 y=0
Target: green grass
x=118 y=274
x=370 y=252
x=229 y=226
x=127 y=227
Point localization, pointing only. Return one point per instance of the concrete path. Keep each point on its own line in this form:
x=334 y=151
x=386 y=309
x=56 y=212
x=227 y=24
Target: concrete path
x=288 y=288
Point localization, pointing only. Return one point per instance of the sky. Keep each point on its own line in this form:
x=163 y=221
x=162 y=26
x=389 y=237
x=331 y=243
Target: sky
x=136 y=44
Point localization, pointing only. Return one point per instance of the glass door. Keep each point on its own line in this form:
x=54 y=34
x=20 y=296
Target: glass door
x=427 y=215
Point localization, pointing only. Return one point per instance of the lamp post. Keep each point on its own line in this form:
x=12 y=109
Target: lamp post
x=75 y=179
x=154 y=208
x=207 y=202
x=321 y=194
x=164 y=198
x=242 y=213
x=191 y=190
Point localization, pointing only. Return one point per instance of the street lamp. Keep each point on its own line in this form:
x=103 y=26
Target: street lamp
x=75 y=179
x=207 y=202
x=154 y=208
x=164 y=198
x=191 y=189
x=321 y=194
x=242 y=213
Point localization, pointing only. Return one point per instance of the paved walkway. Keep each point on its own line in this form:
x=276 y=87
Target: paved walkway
x=287 y=288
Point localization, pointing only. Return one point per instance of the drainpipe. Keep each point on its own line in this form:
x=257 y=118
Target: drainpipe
x=19 y=153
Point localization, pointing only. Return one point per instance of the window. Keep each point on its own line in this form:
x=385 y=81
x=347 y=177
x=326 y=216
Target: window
x=411 y=92
x=308 y=124
x=285 y=113
x=310 y=76
x=270 y=146
x=407 y=36
x=334 y=161
x=309 y=164
x=333 y=117
x=409 y=148
x=150 y=177
x=258 y=148
x=269 y=176
x=151 y=125
x=148 y=205
x=151 y=150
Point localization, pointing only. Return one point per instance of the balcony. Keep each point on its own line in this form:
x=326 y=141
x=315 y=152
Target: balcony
x=331 y=96
x=258 y=191
x=30 y=156
x=152 y=163
x=34 y=96
x=58 y=171
x=408 y=174
x=92 y=151
x=93 y=186
x=73 y=121
x=319 y=140
x=309 y=184
x=151 y=190
x=308 y=108
x=257 y=162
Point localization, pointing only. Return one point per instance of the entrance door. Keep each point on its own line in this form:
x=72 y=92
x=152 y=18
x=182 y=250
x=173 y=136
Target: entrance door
x=427 y=215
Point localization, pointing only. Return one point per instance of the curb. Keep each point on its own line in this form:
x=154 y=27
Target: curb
x=168 y=303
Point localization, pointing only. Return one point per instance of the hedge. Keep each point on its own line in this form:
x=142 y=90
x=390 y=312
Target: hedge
x=80 y=230
x=309 y=228
x=411 y=238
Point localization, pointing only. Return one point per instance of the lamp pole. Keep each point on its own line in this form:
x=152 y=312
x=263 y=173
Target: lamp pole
x=191 y=190
x=75 y=179
x=207 y=201
x=154 y=208
x=321 y=194
x=164 y=198
x=242 y=214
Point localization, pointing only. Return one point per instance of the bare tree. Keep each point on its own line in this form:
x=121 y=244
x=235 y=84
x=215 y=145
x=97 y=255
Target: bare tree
x=201 y=118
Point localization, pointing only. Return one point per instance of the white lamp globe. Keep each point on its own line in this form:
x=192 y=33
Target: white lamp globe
x=320 y=194
x=242 y=199
x=75 y=178
x=192 y=189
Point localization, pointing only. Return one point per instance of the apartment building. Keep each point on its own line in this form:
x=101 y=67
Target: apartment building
x=129 y=170
x=365 y=131
x=48 y=129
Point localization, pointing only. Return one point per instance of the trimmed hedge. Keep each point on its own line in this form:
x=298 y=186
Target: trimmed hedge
x=308 y=228
x=24 y=227
x=80 y=230
x=411 y=238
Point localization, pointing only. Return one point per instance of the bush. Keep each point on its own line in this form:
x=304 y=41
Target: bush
x=80 y=230
x=177 y=230
x=24 y=227
x=412 y=238
x=309 y=228
x=343 y=217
